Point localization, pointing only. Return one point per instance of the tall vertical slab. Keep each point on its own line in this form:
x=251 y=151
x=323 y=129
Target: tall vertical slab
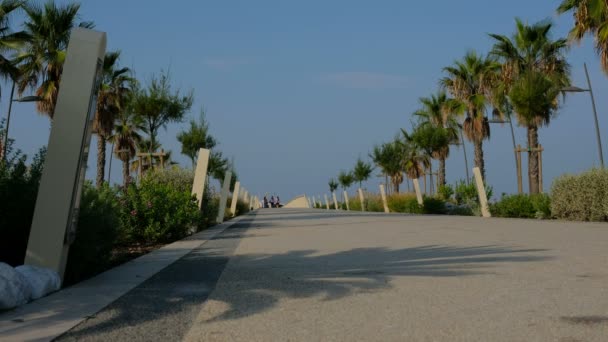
x=418 y=193
x=58 y=202
x=224 y=197
x=481 y=191
x=362 y=199
x=346 y=200
x=333 y=194
x=235 y=198
x=200 y=176
x=383 y=194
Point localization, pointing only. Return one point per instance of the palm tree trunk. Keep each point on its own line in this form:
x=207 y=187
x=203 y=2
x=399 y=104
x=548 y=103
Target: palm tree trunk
x=533 y=159
x=126 y=177
x=441 y=172
x=101 y=160
x=479 y=158
x=431 y=187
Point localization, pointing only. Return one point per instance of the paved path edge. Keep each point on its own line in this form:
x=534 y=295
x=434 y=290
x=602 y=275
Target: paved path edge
x=51 y=316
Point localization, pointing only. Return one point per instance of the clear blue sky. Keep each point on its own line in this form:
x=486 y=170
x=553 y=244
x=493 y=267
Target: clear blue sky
x=296 y=91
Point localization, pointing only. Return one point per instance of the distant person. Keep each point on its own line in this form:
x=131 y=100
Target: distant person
x=278 y=202
x=265 y=202
x=272 y=203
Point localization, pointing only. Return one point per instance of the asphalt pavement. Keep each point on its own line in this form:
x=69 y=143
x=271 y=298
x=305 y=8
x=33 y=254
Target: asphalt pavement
x=317 y=275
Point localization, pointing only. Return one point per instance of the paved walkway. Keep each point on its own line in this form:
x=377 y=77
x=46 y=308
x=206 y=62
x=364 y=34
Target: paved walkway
x=314 y=275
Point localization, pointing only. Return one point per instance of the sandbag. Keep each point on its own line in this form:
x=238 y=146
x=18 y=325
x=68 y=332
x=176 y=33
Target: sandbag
x=15 y=289
x=42 y=280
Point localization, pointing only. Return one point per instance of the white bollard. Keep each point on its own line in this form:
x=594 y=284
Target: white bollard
x=383 y=194
x=55 y=214
x=418 y=193
x=361 y=199
x=346 y=200
x=333 y=194
x=235 y=198
x=481 y=190
x=224 y=197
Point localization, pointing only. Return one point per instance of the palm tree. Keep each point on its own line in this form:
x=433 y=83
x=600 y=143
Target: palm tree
x=345 y=179
x=389 y=158
x=196 y=137
x=218 y=165
x=9 y=41
x=115 y=85
x=333 y=185
x=126 y=138
x=41 y=60
x=471 y=81
x=362 y=171
x=415 y=161
x=437 y=116
x=590 y=17
x=533 y=73
x=159 y=105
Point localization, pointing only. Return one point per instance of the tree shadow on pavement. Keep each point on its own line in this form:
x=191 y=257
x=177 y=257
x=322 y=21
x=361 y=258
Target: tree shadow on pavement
x=166 y=305
x=255 y=283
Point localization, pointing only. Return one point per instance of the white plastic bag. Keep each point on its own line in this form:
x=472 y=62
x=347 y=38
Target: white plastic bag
x=14 y=288
x=42 y=280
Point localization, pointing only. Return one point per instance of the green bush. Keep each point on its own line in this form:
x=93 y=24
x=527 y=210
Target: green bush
x=433 y=205
x=519 y=206
x=404 y=203
x=96 y=236
x=176 y=177
x=18 y=190
x=210 y=208
x=158 y=213
x=522 y=206
x=373 y=203
x=466 y=193
x=582 y=197
x=542 y=205
x=445 y=192
x=462 y=210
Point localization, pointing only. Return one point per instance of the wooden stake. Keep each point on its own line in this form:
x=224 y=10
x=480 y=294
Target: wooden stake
x=520 y=186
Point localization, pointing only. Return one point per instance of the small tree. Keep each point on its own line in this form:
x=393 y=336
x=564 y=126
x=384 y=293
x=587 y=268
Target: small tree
x=196 y=137
x=362 y=171
x=158 y=105
x=333 y=185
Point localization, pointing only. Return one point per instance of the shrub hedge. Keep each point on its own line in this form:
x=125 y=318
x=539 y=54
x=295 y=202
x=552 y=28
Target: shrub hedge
x=582 y=197
x=522 y=206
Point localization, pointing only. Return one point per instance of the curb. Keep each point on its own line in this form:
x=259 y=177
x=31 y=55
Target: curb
x=51 y=316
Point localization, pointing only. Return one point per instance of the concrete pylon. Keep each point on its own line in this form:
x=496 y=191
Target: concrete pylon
x=224 y=197
x=383 y=194
x=200 y=176
x=418 y=193
x=481 y=191
x=333 y=194
x=346 y=200
x=235 y=198
x=55 y=215
x=362 y=199
x=326 y=202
